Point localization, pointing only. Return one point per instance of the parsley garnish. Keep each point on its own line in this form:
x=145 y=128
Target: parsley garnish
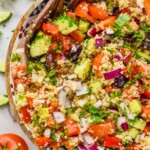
x=15 y=57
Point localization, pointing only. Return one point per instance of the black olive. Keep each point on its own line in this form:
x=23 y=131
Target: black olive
x=115 y=11
x=120 y=81
x=75 y=52
x=130 y=39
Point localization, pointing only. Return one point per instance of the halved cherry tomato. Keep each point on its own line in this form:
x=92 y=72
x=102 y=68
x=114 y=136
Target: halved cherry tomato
x=106 y=23
x=53 y=46
x=97 y=63
x=81 y=10
x=24 y=111
x=71 y=14
x=97 y=13
x=19 y=80
x=147 y=93
x=49 y=28
x=53 y=106
x=101 y=130
x=147 y=129
x=147 y=7
x=12 y=142
x=77 y=36
x=72 y=127
x=30 y=102
x=41 y=141
x=112 y=142
x=146 y=112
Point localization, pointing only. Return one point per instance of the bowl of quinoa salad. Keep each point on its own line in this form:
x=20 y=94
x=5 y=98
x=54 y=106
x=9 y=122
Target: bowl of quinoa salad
x=83 y=80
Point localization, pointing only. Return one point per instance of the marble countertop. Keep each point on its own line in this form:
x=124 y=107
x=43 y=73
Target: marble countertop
x=18 y=8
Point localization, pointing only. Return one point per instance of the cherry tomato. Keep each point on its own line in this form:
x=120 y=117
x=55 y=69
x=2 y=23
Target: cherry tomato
x=42 y=141
x=147 y=93
x=12 y=142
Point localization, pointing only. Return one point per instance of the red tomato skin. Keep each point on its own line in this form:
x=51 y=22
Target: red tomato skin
x=41 y=141
x=113 y=142
x=12 y=141
x=147 y=93
x=24 y=111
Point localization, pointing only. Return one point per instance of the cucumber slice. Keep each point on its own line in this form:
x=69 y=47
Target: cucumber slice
x=2 y=66
x=143 y=55
x=3 y=100
x=133 y=132
x=4 y=16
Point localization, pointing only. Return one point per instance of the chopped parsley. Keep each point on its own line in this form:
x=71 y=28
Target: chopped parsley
x=115 y=93
x=53 y=80
x=15 y=57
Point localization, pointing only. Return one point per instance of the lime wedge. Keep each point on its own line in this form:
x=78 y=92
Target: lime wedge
x=3 y=100
x=4 y=16
x=2 y=66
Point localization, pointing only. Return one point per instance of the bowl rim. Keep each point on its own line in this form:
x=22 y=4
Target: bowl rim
x=8 y=71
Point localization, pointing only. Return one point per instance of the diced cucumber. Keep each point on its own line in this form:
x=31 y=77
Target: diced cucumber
x=143 y=55
x=83 y=26
x=133 y=132
x=40 y=66
x=2 y=66
x=21 y=101
x=90 y=46
x=82 y=69
x=40 y=45
x=135 y=107
x=4 y=16
x=3 y=100
x=43 y=113
x=66 y=24
x=137 y=123
x=122 y=20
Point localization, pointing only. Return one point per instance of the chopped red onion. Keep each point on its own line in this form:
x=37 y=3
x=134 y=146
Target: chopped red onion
x=125 y=126
x=81 y=147
x=121 y=120
x=118 y=56
x=98 y=104
x=83 y=90
x=99 y=42
x=59 y=117
x=84 y=125
x=92 y=147
x=88 y=138
x=148 y=123
x=63 y=95
x=113 y=109
x=144 y=98
x=93 y=32
x=112 y=74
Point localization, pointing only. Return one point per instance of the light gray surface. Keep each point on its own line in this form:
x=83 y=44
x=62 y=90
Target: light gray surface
x=18 y=8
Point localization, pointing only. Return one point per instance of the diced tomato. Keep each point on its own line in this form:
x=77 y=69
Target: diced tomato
x=108 y=89
x=72 y=127
x=106 y=23
x=97 y=63
x=126 y=10
x=55 y=145
x=53 y=106
x=101 y=130
x=147 y=129
x=20 y=80
x=30 y=102
x=49 y=28
x=146 y=112
x=67 y=145
x=112 y=142
x=82 y=11
x=53 y=46
x=147 y=93
x=71 y=14
x=127 y=59
x=66 y=43
x=57 y=36
x=97 y=13
x=24 y=111
x=132 y=148
x=77 y=36
x=41 y=141
x=147 y=7
x=51 y=122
